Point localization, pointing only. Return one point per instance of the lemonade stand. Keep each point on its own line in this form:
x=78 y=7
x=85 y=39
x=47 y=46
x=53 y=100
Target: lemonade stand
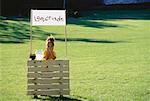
x=47 y=77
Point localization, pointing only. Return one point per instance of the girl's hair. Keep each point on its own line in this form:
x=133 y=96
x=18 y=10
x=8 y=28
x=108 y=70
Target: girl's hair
x=50 y=39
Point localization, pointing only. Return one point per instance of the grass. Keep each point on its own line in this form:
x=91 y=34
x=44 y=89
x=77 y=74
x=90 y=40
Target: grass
x=108 y=53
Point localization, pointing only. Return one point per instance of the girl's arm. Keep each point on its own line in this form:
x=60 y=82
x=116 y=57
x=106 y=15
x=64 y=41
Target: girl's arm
x=52 y=53
x=45 y=55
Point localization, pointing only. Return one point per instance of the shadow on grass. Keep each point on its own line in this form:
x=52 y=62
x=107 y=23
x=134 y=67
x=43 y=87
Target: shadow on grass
x=18 y=31
x=96 y=18
x=51 y=98
x=89 y=40
x=91 y=23
x=143 y=14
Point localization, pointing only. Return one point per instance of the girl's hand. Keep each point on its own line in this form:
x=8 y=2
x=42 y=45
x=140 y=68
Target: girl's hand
x=50 y=50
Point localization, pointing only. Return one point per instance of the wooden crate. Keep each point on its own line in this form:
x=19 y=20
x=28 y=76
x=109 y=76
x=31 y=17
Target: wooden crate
x=48 y=78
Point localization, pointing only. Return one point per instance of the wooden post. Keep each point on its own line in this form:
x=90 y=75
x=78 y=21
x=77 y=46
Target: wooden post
x=64 y=4
x=35 y=96
x=66 y=40
x=61 y=80
x=31 y=33
x=66 y=43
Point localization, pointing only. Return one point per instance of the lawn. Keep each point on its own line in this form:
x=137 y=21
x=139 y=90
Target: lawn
x=108 y=53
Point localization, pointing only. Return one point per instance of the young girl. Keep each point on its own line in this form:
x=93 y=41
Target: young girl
x=49 y=53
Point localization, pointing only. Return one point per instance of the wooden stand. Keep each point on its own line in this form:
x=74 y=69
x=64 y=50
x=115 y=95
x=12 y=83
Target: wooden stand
x=48 y=77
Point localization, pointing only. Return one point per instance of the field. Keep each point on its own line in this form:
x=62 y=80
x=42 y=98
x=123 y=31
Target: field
x=108 y=52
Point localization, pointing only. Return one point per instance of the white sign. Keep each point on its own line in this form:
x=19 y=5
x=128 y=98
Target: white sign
x=48 y=17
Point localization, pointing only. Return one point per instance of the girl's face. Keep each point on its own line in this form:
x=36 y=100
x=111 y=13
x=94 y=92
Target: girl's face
x=49 y=44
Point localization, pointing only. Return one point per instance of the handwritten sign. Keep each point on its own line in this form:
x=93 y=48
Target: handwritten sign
x=48 y=17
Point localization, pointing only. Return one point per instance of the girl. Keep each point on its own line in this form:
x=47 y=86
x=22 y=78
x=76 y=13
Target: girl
x=49 y=53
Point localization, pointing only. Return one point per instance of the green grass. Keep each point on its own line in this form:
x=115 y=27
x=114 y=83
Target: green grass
x=108 y=53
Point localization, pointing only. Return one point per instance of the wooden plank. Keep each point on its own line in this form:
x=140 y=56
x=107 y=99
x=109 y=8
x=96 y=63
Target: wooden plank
x=47 y=75
x=47 y=69
x=47 y=81
x=36 y=63
x=50 y=92
x=47 y=62
x=48 y=86
x=57 y=62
